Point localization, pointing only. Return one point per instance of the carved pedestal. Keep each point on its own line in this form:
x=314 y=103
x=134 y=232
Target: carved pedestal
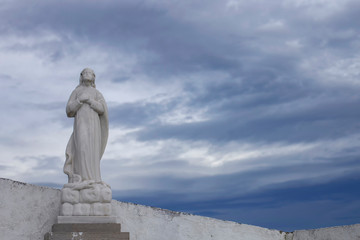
x=87 y=231
x=87 y=198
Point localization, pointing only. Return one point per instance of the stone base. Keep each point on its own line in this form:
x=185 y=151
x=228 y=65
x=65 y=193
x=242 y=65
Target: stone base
x=86 y=198
x=86 y=219
x=87 y=231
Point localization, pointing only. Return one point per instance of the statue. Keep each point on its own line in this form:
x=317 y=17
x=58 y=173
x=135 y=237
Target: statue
x=91 y=126
x=86 y=194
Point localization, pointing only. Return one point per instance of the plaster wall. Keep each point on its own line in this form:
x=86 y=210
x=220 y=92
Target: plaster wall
x=27 y=212
x=152 y=223
x=350 y=232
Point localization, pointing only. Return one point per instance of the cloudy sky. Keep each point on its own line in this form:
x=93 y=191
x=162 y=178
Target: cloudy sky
x=240 y=110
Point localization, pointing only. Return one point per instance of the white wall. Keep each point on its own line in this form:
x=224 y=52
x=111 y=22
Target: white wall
x=146 y=223
x=27 y=212
x=350 y=232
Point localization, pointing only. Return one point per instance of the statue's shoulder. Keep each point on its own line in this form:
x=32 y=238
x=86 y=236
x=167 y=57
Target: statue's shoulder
x=74 y=92
x=98 y=93
x=77 y=89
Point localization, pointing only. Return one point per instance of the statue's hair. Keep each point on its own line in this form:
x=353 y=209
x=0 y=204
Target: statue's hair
x=93 y=80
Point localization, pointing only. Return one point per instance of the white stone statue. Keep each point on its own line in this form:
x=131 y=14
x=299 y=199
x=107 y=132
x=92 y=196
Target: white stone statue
x=86 y=194
x=91 y=126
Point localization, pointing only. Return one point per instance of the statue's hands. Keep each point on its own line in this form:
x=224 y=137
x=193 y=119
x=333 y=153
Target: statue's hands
x=91 y=102
x=84 y=98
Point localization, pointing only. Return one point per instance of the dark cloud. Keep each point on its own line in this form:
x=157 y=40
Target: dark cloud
x=269 y=129
x=164 y=44
x=169 y=45
x=290 y=206
x=270 y=110
x=240 y=184
x=137 y=113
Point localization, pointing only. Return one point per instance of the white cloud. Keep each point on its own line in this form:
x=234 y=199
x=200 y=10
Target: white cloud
x=330 y=69
x=318 y=9
x=296 y=44
x=273 y=25
x=234 y=4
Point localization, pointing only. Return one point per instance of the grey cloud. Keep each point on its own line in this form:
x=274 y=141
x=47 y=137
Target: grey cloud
x=51 y=106
x=44 y=162
x=242 y=185
x=121 y=79
x=136 y=114
x=167 y=44
x=4 y=168
x=324 y=122
x=11 y=141
x=173 y=45
x=52 y=111
x=50 y=163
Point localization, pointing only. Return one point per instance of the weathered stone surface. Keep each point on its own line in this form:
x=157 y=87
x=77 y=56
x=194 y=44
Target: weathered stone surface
x=90 y=195
x=95 y=231
x=87 y=227
x=76 y=198
x=87 y=219
x=86 y=236
x=69 y=196
x=350 y=232
x=100 y=209
x=81 y=209
x=27 y=211
x=153 y=223
x=106 y=195
x=66 y=209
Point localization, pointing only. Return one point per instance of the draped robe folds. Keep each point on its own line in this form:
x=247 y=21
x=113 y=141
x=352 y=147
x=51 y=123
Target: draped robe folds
x=88 y=140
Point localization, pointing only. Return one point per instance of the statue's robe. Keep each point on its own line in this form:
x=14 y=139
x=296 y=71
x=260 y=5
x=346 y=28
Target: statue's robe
x=88 y=140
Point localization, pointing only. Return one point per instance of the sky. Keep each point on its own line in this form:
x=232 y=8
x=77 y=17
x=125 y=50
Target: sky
x=240 y=110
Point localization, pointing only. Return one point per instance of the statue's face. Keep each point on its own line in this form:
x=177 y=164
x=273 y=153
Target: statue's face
x=87 y=78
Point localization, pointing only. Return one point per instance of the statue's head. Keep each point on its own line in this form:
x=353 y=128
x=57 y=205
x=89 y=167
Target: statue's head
x=87 y=77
